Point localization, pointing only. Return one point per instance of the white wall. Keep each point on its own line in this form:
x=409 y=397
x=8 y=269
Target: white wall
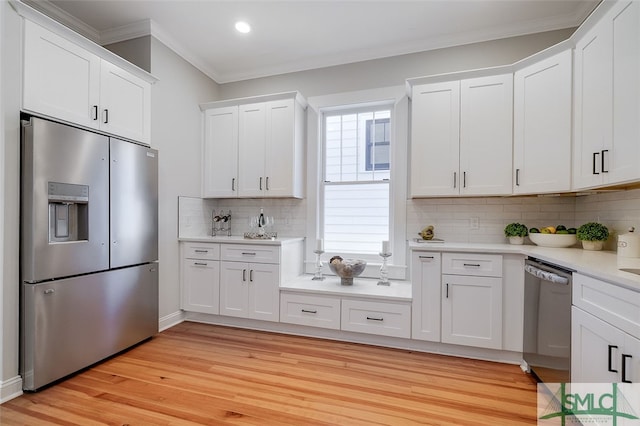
x=176 y=133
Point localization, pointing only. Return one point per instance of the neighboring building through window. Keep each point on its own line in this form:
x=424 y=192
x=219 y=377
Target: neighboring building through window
x=356 y=180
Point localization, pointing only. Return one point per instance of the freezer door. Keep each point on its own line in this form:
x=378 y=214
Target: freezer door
x=71 y=323
x=65 y=201
x=134 y=204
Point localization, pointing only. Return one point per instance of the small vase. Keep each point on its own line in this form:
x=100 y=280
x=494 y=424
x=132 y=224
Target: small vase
x=592 y=245
x=516 y=240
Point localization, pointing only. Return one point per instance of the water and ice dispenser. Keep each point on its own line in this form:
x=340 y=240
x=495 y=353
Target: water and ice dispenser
x=68 y=212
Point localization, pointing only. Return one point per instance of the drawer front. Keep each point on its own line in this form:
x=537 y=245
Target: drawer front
x=483 y=265
x=250 y=253
x=201 y=251
x=616 y=305
x=315 y=311
x=387 y=319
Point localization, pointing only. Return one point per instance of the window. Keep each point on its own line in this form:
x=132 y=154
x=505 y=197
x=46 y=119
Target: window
x=356 y=180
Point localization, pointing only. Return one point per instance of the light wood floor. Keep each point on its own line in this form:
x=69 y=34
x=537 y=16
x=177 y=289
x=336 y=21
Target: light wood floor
x=201 y=374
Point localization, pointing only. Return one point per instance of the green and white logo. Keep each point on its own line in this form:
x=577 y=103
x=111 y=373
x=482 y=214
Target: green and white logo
x=616 y=404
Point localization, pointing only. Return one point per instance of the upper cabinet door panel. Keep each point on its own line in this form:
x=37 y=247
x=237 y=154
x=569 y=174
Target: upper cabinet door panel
x=542 y=126
x=220 y=153
x=251 y=149
x=280 y=148
x=61 y=79
x=125 y=103
x=435 y=134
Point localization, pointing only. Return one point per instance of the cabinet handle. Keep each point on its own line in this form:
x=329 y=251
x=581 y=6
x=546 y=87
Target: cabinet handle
x=624 y=368
x=464 y=179
x=475 y=265
x=251 y=275
x=517 y=177
x=260 y=183
x=233 y=184
x=609 y=358
x=593 y=163
x=447 y=291
x=246 y=253
x=309 y=311
x=267 y=183
x=244 y=275
x=375 y=319
x=602 y=170
x=425 y=257
x=455 y=179
x=106 y=116
x=201 y=251
x=200 y=263
x=95 y=112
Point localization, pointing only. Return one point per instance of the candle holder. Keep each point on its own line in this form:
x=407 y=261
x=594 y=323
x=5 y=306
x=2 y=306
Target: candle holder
x=384 y=273
x=318 y=275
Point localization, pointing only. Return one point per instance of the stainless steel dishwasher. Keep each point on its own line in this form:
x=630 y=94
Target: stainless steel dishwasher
x=547 y=321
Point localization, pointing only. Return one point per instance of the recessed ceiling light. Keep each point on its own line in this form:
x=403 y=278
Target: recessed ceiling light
x=243 y=27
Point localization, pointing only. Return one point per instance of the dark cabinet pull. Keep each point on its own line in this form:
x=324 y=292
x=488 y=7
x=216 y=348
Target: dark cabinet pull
x=464 y=179
x=447 y=292
x=251 y=275
x=267 y=183
x=309 y=311
x=233 y=184
x=455 y=179
x=624 y=368
x=609 y=358
x=602 y=170
x=375 y=319
x=260 y=183
x=201 y=251
x=244 y=275
x=517 y=177
x=95 y=112
x=106 y=116
x=200 y=263
x=475 y=265
x=246 y=253
x=593 y=163
x=425 y=257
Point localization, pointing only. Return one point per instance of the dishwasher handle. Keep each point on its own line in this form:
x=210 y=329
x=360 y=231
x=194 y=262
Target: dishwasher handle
x=546 y=275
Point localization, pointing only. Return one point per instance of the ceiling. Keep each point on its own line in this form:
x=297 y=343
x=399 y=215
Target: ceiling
x=297 y=35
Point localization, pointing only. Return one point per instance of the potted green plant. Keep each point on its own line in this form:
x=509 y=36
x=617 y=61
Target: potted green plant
x=516 y=232
x=593 y=235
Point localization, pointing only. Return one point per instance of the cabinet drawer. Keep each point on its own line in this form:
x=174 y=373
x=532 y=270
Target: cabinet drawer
x=483 y=265
x=387 y=319
x=250 y=253
x=201 y=251
x=315 y=311
x=616 y=305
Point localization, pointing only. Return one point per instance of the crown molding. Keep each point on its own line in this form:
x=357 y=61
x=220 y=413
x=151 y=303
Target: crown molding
x=61 y=16
x=126 y=32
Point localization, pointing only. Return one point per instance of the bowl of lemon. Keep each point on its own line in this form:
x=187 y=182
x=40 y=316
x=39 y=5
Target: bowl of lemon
x=553 y=236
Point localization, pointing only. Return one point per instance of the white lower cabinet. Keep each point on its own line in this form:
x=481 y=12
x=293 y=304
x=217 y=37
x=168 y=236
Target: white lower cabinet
x=249 y=290
x=425 y=279
x=200 y=277
x=311 y=310
x=387 y=319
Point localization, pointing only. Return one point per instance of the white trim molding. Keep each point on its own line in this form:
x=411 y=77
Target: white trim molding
x=10 y=389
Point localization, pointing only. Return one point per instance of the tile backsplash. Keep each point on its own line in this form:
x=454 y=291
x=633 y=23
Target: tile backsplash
x=454 y=219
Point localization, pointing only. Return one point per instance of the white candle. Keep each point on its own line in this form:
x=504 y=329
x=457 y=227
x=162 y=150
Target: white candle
x=385 y=247
x=320 y=244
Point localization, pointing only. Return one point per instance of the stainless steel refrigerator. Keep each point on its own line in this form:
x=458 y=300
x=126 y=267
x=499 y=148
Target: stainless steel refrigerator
x=89 y=248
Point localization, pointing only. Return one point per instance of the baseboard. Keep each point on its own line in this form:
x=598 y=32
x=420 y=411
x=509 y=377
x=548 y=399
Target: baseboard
x=170 y=320
x=10 y=389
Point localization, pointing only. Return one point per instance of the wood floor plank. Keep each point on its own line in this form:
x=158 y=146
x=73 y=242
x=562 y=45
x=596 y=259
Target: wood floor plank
x=199 y=374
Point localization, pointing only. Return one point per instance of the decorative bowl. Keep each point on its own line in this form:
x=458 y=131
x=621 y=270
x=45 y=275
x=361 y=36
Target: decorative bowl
x=553 y=240
x=347 y=269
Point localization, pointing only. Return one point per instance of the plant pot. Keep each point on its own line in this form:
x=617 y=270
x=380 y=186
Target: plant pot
x=516 y=240
x=592 y=245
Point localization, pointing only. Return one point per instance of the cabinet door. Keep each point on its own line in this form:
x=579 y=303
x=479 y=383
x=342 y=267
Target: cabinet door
x=220 y=159
x=425 y=279
x=435 y=139
x=596 y=349
x=472 y=311
x=201 y=286
x=61 y=79
x=280 y=149
x=125 y=103
x=264 y=292
x=542 y=126
x=622 y=152
x=592 y=104
x=234 y=289
x=486 y=162
x=251 y=150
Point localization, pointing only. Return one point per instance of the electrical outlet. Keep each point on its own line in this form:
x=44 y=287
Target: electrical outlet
x=474 y=223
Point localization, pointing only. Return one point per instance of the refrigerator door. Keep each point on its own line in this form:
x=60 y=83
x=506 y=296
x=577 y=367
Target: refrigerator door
x=65 y=201
x=134 y=204
x=69 y=324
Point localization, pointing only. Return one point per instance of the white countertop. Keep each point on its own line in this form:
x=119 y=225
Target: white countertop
x=362 y=287
x=598 y=264
x=239 y=239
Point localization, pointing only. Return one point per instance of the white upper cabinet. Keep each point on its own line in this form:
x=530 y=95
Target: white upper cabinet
x=542 y=126
x=220 y=153
x=254 y=149
x=461 y=137
x=65 y=81
x=607 y=99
